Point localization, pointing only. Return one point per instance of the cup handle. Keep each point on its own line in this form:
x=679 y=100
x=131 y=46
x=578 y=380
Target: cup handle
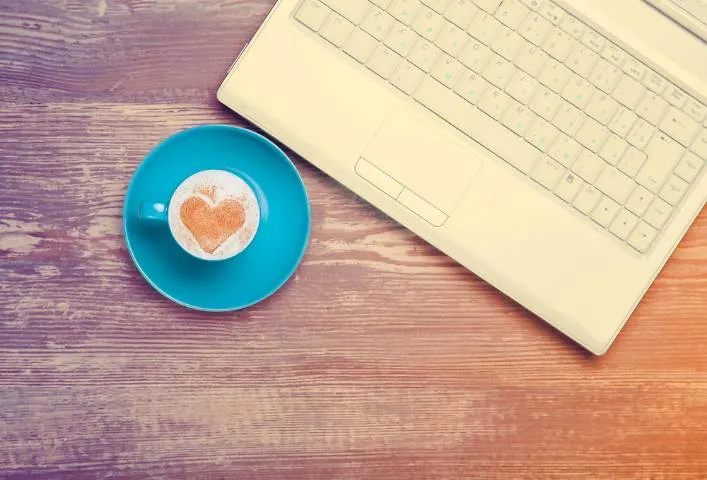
x=152 y=211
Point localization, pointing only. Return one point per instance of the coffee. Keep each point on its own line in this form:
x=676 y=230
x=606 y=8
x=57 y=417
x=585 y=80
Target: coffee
x=214 y=215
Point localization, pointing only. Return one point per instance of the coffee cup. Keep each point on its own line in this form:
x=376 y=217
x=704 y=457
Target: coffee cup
x=213 y=214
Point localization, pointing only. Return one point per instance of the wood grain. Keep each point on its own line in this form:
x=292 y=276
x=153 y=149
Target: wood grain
x=381 y=358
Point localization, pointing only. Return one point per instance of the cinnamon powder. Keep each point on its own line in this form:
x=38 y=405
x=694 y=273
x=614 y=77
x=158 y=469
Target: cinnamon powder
x=208 y=191
x=212 y=225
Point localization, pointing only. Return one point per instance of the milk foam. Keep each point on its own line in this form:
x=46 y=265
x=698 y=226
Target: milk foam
x=215 y=186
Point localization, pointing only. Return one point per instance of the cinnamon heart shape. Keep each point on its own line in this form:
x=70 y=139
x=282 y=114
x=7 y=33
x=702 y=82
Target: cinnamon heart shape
x=212 y=225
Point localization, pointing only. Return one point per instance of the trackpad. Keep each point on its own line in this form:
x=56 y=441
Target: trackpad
x=424 y=158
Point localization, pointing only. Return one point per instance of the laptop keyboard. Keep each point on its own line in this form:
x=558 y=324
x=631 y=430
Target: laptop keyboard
x=592 y=125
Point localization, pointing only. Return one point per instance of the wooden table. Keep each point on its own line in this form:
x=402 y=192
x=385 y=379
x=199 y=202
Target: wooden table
x=381 y=358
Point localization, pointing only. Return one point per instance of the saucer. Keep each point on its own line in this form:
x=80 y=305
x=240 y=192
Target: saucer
x=273 y=255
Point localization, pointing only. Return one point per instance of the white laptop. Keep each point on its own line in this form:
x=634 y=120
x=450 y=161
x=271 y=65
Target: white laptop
x=556 y=149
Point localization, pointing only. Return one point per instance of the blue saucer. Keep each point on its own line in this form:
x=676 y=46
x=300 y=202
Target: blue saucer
x=278 y=246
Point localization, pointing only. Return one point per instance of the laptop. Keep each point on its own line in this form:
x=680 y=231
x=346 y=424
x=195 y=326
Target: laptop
x=553 y=148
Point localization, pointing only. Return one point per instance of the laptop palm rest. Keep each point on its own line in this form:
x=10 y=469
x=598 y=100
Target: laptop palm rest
x=424 y=159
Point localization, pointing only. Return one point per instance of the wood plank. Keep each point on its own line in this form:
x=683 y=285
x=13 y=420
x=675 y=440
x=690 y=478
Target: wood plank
x=381 y=358
x=134 y=51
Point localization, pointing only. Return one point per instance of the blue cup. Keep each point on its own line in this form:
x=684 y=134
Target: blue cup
x=259 y=270
x=205 y=237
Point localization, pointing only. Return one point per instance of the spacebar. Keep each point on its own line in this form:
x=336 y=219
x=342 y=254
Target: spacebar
x=476 y=124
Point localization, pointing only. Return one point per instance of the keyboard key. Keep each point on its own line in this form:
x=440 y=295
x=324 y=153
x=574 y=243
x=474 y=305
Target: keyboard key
x=574 y=27
x=587 y=199
x=488 y=5
x=535 y=28
x=623 y=224
x=673 y=190
x=641 y=134
x=522 y=87
x=658 y=213
x=531 y=59
x=403 y=10
x=602 y=107
x=642 y=237
x=634 y=68
x=545 y=102
x=518 y=118
x=696 y=110
x=622 y=122
x=378 y=23
x=569 y=118
x=578 y=91
x=448 y=70
x=680 y=126
x=499 y=71
x=615 y=184
x=353 y=10
x=512 y=13
x=313 y=13
x=484 y=27
x=476 y=55
x=336 y=29
x=613 y=149
x=360 y=45
x=548 y=173
x=452 y=39
x=383 y=61
x=401 y=38
x=613 y=54
x=507 y=43
x=479 y=126
x=605 y=76
x=632 y=161
x=424 y=55
x=592 y=135
x=559 y=44
x=655 y=82
x=699 y=146
x=675 y=96
x=438 y=6
x=689 y=167
x=428 y=23
x=541 y=134
x=593 y=40
x=407 y=77
x=533 y=5
x=565 y=150
x=605 y=211
x=629 y=91
x=472 y=87
x=663 y=155
x=639 y=201
x=568 y=187
x=552 y=12
x=554 y=75
x=588 y=166
x=582 y=61
x=495 y=103
x=461 y=13
x=652 y=108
